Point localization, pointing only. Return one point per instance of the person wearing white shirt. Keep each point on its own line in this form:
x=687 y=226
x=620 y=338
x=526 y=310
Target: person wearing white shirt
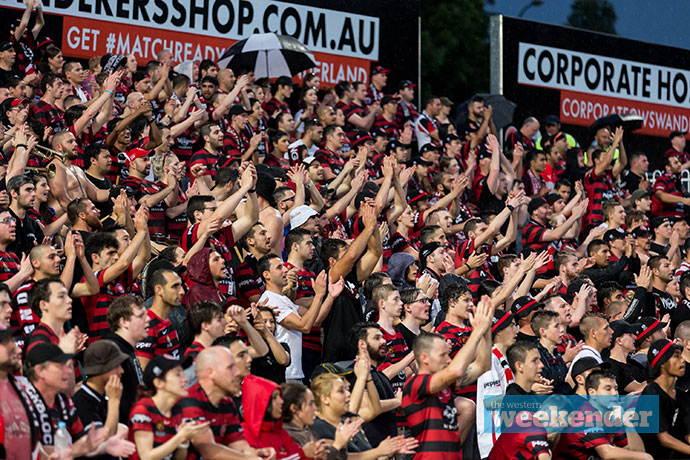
x=597 y=333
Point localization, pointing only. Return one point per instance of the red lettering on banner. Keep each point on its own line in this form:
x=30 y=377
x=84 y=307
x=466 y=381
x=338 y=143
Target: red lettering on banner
x=582 y=109
x=84 y=38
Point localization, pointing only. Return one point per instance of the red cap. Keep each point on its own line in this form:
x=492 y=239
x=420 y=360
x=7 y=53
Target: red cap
x=137 y=153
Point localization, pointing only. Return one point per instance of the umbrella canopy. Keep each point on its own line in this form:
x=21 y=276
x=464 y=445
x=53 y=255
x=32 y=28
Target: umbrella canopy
x=269 y=55
x=628 y=121
x=503 y=110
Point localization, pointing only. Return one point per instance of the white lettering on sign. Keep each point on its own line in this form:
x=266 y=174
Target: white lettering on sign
x=322 y=30
x=557 y=68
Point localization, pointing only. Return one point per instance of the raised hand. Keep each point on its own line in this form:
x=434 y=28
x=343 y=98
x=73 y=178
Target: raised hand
x=476 y=260
x=644 y=279
x=113 y=388
x=368 y=214
x=191 y=429
x=492 y=144
x=481 y=319
x=141 y=219
x=334 y=289
x=319 y=284
x=237 y=313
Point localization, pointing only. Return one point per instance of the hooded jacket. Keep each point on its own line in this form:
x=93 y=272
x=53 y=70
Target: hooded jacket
x=398 y=264
x=256 y=396
x=199 y=274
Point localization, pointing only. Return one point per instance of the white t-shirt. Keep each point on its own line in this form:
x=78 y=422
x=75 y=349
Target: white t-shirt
x=293 y=338
x=493 y=382
x=588 y=352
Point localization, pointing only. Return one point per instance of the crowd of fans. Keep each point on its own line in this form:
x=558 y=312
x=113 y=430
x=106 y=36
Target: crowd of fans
x=199 y=264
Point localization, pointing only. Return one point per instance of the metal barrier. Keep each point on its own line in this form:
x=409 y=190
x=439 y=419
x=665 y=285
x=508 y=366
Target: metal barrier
x=684 y=178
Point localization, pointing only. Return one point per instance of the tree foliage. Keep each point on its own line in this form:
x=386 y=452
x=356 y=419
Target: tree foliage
x=455 y=48
x=596 y=15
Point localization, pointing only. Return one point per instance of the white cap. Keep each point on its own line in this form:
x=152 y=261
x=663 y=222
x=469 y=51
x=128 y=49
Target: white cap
x=300 y=215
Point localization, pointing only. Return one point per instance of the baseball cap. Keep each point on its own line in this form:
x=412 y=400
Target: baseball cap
x=639 y=232
x=551 y=120
x=614 y=234
x=621 y=327
x=671 y=136
x=115 y=191
x=406 y=84
x=551 y=198
x=8 y=332
x=501 y=320
x=379 y=69
x=363 y=195
x=360 y=137
x=392 y=145
x=159 y=365
x=639 y=194
x=11 y=102
x=417 y=198
x=419 y=161
x=138 y=76
x=450 y=138
x=661 y=351
x=584 y=364
x=535 y=204
x=308 y=160
x=387 y=99
x=646 y=327
x=300 y=215
x=427 y=250
x=525 y=305
x=101 y=357
x=4 y=46
x=137 y=153
x=237 y=109
x=379 y=132
x=46 y=352
x=483 y=152
x=446 y=102
x=284 y=81
x=659 y=221
x=428 y=147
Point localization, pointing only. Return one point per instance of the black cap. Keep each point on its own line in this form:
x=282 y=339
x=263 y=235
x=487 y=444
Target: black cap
x=639 y=194
x=387 y=99
x=525 y=305
x=102 y=356
x=379 y=69
x=419 y=161
x=427 y=250
x=501 y=320
x=46 y=352
x=379 y=132
x=621 y=327
x=237 y=109
x=450 y=138
x=4 y=46
x=8 y=332
x=677 y=133
x=115 y=191
x=138 y=76
x=406 y=84
x=659 y=221
x=428 y=147
x=414 y=199
x=584 y=364
x=159 y=365
x=284 y=81
x=661 y=351
x=392 y=145
x=551 y=120
x=360 y=137
x=361 y=196
x=614 y=234
x=535 y=204
x=647 y=326
x=450 y=279
x=640 y=231
x=468 y=127
x=483 y=152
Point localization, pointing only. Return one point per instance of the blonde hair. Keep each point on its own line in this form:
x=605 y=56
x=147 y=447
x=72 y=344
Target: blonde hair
x=159 y=161
x=323 y=385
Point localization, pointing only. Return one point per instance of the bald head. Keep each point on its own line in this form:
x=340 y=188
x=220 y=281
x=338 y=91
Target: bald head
x=210 y=358
x=60 y=139
x=39 y=252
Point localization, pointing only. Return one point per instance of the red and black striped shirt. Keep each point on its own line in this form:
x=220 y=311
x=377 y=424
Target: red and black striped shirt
x=194 y=349
x=224 y=417
x=234 y=145
x=248 y=280
x=206 y=158
x=161 y=339
x=668 y=183
x=9 y=265
x=599 y=189
x=221 y=241
x=532 y=236
x=143 y=187
x=353 y=109
x=274 y=105
x=330 y=159
x=146 y=417
x=582 y=444
x=396 y=349
x=456 y=337
x=463 y=253
x=23 y=316
x=97 y=306
x=48 y=115
x=176 y=226
x=305 y=280
x=432 y=419
x=390 y=127
x=406 y=112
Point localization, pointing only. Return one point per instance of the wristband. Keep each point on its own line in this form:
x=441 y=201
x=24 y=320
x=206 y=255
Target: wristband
x=252 y=190
x=512 y=208
x=468 y=266
x=21 y=145
x=108 y=91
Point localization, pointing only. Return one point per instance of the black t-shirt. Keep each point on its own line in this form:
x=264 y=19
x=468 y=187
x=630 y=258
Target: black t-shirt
x=407 y=334
x=93 y=410
x=345 y=313
x=664 y=302
x=29 y=234
x=489 y=202
x=106 y=207
x=324 y=430
x=623 y=373
x=131 y=377
x=522 y=337
x=631 y=181
x=385 y=424
x=659 y=249
x=670 y=420
x=268 y=368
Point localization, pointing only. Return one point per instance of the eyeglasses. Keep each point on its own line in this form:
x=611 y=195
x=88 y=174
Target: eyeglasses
x=8 y=221
x=423 y=300
x=292 y=198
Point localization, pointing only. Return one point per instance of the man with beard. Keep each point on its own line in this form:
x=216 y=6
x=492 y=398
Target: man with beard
x=670 y=198
x=23 y=195
x=634 y=178
x=532 y=178
x=156 y=198
x=479 y=118
x=538 y=233
x=12 y=272
x=678 y=143
x=69 y=181
x=663 y=274
x=210 y=400
x=250 y=285
x=18 y=441
x=368 y=339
